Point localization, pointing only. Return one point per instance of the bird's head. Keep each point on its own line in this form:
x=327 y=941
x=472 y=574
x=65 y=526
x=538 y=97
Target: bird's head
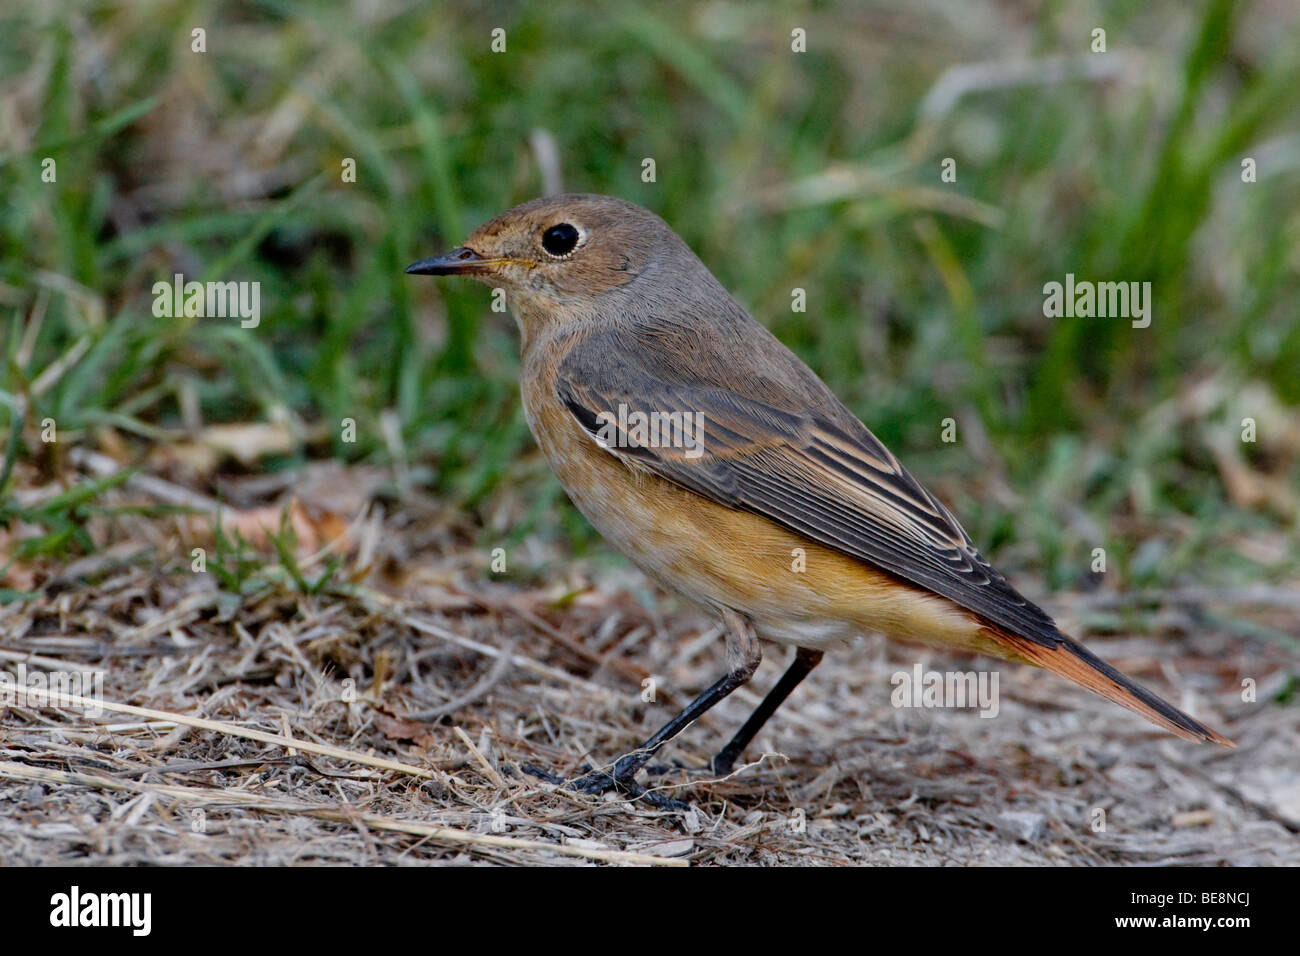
x=560 y=256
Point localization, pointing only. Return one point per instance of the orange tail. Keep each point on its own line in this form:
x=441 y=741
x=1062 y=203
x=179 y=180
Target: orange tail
x=1073 y=661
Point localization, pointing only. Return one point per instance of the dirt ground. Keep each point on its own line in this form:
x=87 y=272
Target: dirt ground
x=189 y=761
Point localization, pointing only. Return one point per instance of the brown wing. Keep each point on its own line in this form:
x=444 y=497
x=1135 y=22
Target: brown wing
x=836 y=485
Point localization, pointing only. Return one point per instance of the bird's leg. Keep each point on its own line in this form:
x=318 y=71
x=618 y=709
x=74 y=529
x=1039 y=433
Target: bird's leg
x=805 y=659
x=743 y=657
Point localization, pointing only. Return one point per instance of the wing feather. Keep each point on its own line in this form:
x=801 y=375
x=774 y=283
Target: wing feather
x=839 y=487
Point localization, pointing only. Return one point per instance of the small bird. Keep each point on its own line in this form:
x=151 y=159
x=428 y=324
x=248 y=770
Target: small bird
x=722 y=466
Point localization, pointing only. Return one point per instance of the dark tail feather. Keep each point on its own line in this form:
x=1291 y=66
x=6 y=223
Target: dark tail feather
x=1075 y=662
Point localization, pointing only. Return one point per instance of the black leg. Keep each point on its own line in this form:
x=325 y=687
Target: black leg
x=805 y=659
x=744 y=655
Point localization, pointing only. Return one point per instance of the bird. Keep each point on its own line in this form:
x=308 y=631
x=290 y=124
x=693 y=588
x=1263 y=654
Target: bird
x=721 y=465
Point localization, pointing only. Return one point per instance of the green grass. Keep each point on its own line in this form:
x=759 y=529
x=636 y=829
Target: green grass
x=225 y=165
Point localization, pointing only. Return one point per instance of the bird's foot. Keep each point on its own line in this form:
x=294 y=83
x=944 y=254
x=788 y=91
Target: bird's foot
x=718 y=768
x=597 y=782
x=723 y=764
x=679 y=769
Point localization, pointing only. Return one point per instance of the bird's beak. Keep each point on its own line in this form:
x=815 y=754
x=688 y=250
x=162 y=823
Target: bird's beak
x=459 y=262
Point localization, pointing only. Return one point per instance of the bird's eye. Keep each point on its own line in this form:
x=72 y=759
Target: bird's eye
x=560 y=239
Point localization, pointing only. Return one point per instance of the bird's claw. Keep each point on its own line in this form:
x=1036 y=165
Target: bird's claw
x=717 y=768
x=597 y=782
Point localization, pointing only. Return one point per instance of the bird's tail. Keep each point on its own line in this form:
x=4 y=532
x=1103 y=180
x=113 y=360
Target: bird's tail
x=1074 y=662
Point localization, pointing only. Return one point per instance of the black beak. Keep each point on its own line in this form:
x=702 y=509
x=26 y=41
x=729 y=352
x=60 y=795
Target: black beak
x=458 y=262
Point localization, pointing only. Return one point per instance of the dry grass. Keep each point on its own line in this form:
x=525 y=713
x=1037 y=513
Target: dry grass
x=275 y=728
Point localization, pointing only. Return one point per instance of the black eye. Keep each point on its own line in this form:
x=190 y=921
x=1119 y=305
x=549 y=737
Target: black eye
x=560 y=239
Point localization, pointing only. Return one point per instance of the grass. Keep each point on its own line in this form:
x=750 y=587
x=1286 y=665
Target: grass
x=924 y=297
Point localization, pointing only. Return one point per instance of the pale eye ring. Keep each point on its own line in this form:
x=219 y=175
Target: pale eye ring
x=561 y=239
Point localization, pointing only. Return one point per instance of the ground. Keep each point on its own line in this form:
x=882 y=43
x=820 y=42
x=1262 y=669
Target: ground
x=544 y=665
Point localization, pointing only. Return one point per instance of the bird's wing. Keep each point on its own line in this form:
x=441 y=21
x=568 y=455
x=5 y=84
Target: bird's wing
x=837 y=486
